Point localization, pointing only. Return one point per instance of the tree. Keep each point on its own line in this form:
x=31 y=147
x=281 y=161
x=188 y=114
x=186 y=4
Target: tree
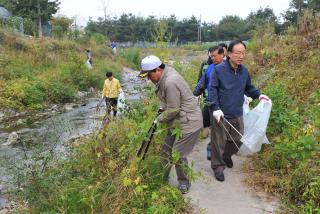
x=161 y=34
x=296 y=9
x=36 y=10
x=259 y=18
x=231 y=27
x=60 y=26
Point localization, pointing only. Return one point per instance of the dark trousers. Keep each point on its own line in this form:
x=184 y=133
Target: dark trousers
x=181 y=166
x=111 y=104
x=206 y=116
x=223 y=140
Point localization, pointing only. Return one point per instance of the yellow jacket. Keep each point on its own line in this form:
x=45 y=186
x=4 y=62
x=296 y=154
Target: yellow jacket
x=112 y=88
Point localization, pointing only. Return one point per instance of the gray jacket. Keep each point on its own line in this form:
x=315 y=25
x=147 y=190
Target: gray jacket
x=178 y=102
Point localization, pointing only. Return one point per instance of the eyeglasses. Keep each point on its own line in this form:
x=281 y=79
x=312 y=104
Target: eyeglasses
x=239 y=53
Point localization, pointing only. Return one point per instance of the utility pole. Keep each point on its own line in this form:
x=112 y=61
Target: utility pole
x=199 y=31
x=40 y=22
x=105 y=5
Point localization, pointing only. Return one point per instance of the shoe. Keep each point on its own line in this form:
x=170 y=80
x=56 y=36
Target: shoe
x=208 y=153
x=184 y=188
x=218 y=173
x=228 y=161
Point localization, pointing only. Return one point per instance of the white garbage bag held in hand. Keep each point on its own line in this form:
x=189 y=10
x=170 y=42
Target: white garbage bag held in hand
x=121 y=102
x=247 y=101
x=88 y=64
x=255 y=127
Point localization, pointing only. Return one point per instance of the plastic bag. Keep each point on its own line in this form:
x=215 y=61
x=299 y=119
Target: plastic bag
x=255 y=126
x=121 y=102
x=246 y=103
x=88 y=64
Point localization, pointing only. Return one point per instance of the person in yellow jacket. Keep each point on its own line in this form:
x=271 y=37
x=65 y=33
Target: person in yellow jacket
x=111 y=90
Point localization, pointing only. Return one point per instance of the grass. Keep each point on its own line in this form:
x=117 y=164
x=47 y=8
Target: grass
x=38 y=72
x=103 y=174
x=286 y=68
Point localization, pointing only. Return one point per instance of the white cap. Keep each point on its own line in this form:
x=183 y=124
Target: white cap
x=150 y=62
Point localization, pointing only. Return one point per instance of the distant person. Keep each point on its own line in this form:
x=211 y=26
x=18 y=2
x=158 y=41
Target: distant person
x=179 y=107
x=89 y=58
x=111 y=91
x=114 y=47
x=217 y=55
x=229 y=82
x=205 y=64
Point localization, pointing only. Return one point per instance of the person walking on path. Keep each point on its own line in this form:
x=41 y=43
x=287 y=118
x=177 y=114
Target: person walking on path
x=114 y=47
x=111 y=90
x=229 y=82
x=217 y=56
x=225 y=48
x=179 y=107
x=89 y=58
x=205 y=64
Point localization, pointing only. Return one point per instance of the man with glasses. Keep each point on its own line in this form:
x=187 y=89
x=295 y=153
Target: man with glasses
x=179 y=107
x=229 y=82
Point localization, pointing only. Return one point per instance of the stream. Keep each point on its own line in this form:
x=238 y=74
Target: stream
x=62 y=127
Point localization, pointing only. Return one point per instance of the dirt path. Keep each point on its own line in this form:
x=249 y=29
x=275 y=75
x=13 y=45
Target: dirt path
x=231 y=196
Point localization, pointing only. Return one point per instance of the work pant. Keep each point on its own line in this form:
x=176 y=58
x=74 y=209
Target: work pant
x=184 y=146
x=111 y=104
x=206 y=116
x=223 y=140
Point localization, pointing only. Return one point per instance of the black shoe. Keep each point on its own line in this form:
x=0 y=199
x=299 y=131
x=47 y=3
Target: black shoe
x=228 y=161
x=218 y=173
x=208 y=154
x=184 y=188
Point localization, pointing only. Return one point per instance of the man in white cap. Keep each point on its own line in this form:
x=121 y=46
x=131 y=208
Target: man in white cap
x=179 y=107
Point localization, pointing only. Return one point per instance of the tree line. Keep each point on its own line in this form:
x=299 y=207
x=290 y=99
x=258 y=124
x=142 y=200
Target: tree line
x=129 y=27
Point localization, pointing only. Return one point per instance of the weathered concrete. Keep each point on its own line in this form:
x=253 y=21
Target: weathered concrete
x=229 y=197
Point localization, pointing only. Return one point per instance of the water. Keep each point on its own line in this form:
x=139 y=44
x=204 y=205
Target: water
x=77 y=122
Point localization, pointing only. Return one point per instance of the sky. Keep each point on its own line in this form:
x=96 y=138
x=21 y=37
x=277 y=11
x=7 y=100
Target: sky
x=209 y=10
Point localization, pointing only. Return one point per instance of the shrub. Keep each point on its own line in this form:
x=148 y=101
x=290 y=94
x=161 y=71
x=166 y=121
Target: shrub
x=132 y=57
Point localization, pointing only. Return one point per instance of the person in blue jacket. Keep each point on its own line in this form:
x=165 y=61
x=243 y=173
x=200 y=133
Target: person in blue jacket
x=229 y=82
x=202 y=87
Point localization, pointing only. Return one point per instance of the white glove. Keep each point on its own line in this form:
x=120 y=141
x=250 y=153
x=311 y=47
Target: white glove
x=218 y=114
x=263 y=97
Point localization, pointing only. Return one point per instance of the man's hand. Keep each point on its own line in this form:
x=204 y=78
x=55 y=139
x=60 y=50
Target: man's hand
x=263 y=97
x=218 y=114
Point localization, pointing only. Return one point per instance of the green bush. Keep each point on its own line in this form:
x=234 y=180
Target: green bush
x=103 y=174
x=98 y=39
x=283 y=117
x=131 y=57
x=303 y=186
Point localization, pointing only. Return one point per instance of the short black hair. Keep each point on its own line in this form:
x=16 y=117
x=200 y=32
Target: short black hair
x=219 y=49
x=210 y=49
x=109 y=74
x=224 y=45
x=235 y=42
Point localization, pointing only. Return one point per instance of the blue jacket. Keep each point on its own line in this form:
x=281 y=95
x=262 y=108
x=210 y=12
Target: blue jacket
x=227 y=88
x=204 y=82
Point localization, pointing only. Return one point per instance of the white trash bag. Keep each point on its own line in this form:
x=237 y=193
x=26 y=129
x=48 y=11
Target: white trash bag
x=255 y=126
x=88 y=64
x=121 y=102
